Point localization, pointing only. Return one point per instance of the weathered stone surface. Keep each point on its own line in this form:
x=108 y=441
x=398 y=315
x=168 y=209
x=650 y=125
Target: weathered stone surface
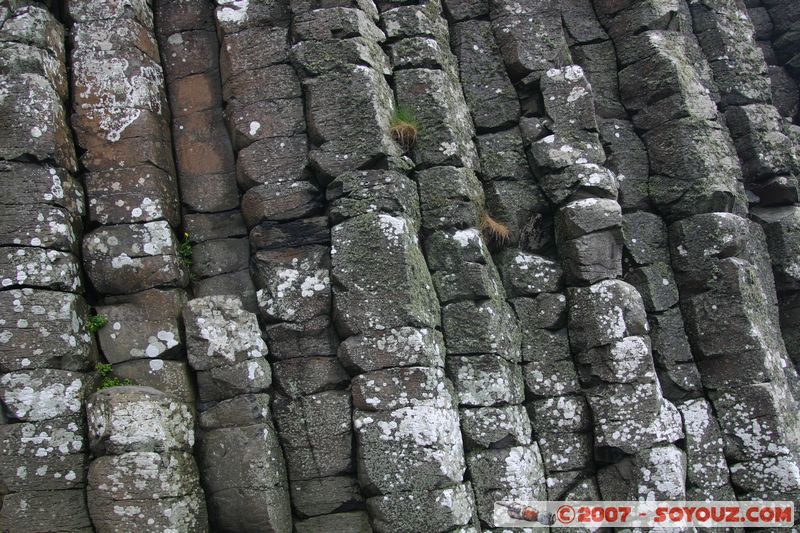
x=645 y=236
x=129 y=258
x=274 y=161
x=314 y=58
x=393 y=388
x=427 y=510
x=547 y=310
x=593 y=257
x=580 y=181
x=137 y=419
x=606 y=311
x=48 y=455
x=763 y=147
x=228 y=381
x=28 y=184
x=759 y=413
x=527 y=274
x=326 y=495
x=781 y=226
x=351 y=522
x=348 y=118
x=357 y=193
x=33 y=511
x=408 y=21
x=623 y=361
x=141 y=326
x=43 y=329
x=656 y=285
x=650 y=474
x=514 y=473
x=236 y=284
x=694 y=169
x=126 y=196
x=486 y=327
x=560 y=414
x=706 y=466
x=516 y=204
x=315 y=337
x=551 y=372
x=246 y=490
x=294 y=283
x=39 y=225
x=412 y=448
x=335 y=23
x=449 y=197
x=33 y=121
x=377 y=258
x=140 y=475
x=244 y=410
x=448 y=250
x=530 y=37
x=485 y=380
x=396 y=347
x=296 y=233
x=489 y=94
x=42 y=394
x=503 y=156
x=581 y=217
x=627 y=158
x=220 y=256
x=495 y=427
x=562 y=452
x=445 y=129
x=173 y=377
x=280 y=203
x=220 y=333
x=563 y=149
x=316 y=434
x=308 y=375
x=568 y=98
x=670 y=344
x=472 y=282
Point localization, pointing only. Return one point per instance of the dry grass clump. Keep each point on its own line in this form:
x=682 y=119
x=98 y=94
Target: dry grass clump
x=403 y=127
x=493 y=230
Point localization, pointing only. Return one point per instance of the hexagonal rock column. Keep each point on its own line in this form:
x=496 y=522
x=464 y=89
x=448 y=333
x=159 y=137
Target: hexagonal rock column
x=44 y=346
x=241 y=463
x=204 y=154
x=729 y=302
x=143 y=477
x=409 y=447
x=121 y=120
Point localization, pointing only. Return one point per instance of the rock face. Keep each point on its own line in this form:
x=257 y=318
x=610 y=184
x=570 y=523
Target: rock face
x=391 y=262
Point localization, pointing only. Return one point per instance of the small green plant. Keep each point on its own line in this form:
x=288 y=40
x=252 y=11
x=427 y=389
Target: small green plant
x=106 y=371
x=96 y=323
x=403 y=127
x=185 y=250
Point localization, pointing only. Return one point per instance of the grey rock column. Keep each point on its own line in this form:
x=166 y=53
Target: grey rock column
x=204 y=158
x=143 y=477
x=479 y=326
x=717 y=256
x=121 y=121
x=241 y=463
x=45 y=349
x=767 y=154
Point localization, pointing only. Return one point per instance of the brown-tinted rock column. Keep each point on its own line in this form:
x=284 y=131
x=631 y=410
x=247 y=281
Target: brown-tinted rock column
x=45 y=348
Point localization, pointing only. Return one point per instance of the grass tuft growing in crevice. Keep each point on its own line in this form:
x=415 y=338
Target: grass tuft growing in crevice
x=96 y=323
x=494 y=231
x=404 y=127
x=105 y=371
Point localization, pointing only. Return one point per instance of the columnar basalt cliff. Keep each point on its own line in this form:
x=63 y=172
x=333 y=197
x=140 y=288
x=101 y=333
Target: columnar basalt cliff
x=356 y=266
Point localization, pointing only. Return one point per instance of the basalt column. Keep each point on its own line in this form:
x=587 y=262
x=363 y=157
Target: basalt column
x=531 y=275
x=214 y=230
x=121 y=121
x=410 y=462
x=717 y=255
x=45 y=348
x=479 y=326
